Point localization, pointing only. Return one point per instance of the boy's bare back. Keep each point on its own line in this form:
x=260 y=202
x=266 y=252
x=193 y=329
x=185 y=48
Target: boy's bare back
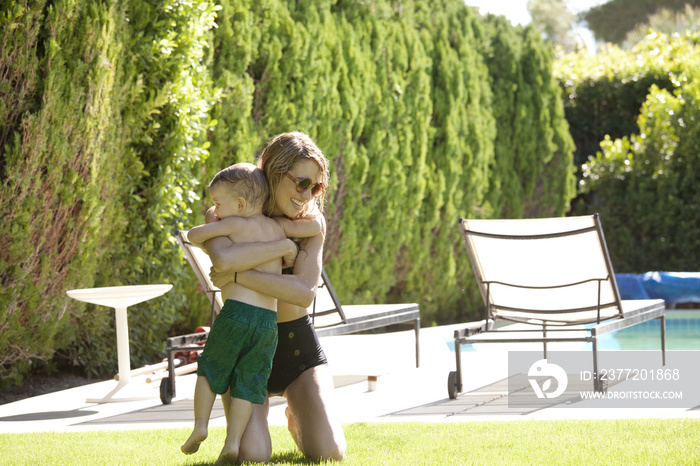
x=258 y=228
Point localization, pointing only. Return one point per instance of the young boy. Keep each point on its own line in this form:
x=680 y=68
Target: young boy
x=237 y=356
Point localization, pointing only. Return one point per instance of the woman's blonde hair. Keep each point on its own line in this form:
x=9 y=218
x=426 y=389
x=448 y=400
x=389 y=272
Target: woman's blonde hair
x=281 y=154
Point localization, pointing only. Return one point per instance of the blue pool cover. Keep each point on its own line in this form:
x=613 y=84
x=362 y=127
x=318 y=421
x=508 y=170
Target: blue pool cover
x=673 y=287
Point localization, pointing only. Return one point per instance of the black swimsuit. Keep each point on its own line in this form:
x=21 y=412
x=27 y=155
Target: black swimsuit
x=298 y=349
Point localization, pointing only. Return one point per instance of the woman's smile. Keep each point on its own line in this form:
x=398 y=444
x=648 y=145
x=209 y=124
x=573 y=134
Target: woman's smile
x=287 y=189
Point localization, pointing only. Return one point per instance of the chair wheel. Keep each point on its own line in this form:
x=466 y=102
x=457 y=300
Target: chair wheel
x=452 y=389
x=600 y=385
x=166 y=394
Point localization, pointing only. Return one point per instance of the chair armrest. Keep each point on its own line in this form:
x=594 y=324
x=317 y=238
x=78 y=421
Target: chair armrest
x=473 y=328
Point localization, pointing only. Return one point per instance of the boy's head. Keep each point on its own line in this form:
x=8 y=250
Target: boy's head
x=238 y=187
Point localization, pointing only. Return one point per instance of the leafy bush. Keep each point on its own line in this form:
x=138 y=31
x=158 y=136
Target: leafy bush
x=646 y=185
x=603 y=93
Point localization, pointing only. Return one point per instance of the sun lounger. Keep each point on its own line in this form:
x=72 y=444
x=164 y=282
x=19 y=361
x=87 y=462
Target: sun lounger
x=553 y=280
x=329 y=316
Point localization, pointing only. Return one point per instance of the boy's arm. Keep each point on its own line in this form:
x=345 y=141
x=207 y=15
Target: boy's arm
x=224 y=227
x=301 y=228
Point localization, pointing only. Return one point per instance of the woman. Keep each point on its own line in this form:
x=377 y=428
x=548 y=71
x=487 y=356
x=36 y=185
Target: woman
x=297 y=173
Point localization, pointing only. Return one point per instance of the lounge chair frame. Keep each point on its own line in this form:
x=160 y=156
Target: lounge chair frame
x=571 y=323
x=327 y=313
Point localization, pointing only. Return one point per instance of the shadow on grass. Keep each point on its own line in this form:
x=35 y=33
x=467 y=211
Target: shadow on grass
x=293 y=457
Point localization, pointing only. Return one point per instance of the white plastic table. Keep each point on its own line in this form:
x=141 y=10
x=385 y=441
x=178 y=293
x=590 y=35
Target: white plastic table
x=120 y=297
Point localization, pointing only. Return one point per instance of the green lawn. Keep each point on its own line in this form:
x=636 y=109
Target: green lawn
x=644 y=441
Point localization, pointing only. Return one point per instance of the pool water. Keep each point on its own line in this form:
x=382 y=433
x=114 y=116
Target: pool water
x=682 y=333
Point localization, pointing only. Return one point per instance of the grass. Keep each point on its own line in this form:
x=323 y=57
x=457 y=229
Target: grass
x=628 y=441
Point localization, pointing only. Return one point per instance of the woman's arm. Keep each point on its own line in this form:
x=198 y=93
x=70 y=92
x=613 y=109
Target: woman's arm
x=229 y=257
x=298 y=289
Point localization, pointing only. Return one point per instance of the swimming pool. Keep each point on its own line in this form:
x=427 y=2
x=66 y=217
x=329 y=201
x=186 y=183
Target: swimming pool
x=682 y=333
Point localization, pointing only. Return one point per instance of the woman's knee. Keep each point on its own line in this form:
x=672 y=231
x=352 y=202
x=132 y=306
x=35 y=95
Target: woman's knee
x=332 y=451
x=255 y=453
x=320 y=439
x=255 y=448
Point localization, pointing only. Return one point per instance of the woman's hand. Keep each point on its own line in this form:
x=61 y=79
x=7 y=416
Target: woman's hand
x=220 y=279
x=290 y=258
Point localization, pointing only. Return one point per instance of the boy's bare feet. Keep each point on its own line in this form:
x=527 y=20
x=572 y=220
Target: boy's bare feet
x=191 y=445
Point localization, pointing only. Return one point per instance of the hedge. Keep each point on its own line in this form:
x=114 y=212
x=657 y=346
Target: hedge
x=119 y=113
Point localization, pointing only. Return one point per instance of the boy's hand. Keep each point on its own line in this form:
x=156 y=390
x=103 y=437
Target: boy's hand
x=313 y=214
x=210 y=216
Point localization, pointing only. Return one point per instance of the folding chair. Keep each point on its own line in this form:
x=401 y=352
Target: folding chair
x=554 y=278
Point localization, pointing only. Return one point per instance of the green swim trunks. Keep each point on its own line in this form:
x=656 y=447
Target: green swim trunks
x=239 y=350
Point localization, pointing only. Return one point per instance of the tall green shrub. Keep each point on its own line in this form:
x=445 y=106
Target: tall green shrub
x=381 y=171
x=166 y=112
x=398 y=97
x=459 y=154
x=103 y=137
x=529 y=123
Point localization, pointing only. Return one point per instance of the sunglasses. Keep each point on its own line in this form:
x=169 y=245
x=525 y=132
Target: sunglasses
x=304 y=184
